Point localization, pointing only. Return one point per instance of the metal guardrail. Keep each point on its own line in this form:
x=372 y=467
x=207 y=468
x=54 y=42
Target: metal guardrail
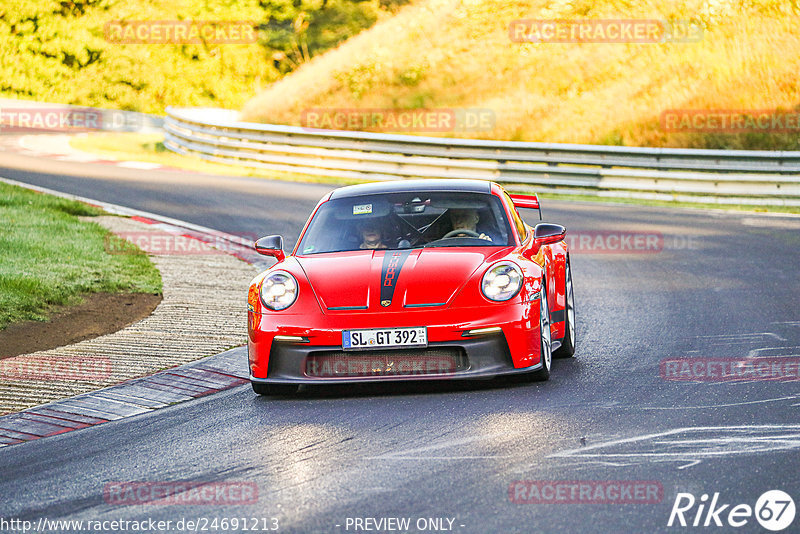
x=710 y=176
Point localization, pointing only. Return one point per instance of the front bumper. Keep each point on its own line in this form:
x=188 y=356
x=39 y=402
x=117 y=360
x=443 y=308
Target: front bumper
x=516 y=348
x=484 y=357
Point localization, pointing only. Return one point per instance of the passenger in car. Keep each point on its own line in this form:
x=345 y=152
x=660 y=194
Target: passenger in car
x=371 y=235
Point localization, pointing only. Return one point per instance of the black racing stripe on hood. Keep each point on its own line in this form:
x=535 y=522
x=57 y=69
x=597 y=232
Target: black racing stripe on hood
x=390 y=271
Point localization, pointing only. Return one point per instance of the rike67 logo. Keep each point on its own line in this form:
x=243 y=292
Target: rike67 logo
x=774 y=510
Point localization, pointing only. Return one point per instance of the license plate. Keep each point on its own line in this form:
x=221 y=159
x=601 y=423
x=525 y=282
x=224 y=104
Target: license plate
x=385 y=338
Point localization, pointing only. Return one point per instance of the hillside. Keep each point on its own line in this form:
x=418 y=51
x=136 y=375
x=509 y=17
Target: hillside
x=459 y=54
x=78 y=51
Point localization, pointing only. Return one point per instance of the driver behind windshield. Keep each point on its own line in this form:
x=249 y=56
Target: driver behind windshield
x=371 y=235
x=467 y=220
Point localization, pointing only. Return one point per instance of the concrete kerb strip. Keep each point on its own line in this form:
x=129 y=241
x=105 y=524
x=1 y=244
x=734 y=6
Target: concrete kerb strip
x=136 y=396
x=202 y=313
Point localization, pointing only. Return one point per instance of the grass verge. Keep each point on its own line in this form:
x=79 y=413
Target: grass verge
x=130 y=55
x=50 y=257
x=445 y=54
x=150 y=148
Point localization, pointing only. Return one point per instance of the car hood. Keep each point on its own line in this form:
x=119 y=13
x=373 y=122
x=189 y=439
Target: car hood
x=392 y=279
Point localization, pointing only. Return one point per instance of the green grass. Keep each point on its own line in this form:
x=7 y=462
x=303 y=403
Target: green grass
x=150 y=148
x=65 y=52
x=49 y=257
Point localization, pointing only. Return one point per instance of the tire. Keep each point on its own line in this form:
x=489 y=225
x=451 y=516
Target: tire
x=567 y=348
x=274 y=389
x=546 y=341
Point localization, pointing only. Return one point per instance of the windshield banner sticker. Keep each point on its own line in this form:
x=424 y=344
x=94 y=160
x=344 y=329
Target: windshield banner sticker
x=362 y=209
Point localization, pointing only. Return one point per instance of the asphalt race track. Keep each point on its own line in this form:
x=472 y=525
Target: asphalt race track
x=693 y=285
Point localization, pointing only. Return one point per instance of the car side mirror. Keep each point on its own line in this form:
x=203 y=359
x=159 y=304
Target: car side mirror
x=272 y=245
x=547 y=233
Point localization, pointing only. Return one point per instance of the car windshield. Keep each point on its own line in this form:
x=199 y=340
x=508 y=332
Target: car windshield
x=408 y=220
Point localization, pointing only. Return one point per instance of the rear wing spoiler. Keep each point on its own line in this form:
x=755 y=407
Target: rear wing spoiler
x=527 y=201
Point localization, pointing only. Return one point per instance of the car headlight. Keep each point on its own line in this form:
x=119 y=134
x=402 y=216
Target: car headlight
x=501 y=282
x=278 y=290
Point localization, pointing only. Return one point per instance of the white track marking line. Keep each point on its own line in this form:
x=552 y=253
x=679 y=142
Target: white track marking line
x=717 y=405
x=778 y=442
x=742 y=337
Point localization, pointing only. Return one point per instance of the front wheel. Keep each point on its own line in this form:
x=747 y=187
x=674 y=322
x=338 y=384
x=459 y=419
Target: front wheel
x=567 y=348
x=546 y=342
x=274 y=389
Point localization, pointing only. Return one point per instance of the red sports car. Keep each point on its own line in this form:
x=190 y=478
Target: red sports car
x=410 y=280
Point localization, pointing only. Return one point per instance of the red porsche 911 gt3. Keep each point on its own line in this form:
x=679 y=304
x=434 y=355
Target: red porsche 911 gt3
x=411 y=280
